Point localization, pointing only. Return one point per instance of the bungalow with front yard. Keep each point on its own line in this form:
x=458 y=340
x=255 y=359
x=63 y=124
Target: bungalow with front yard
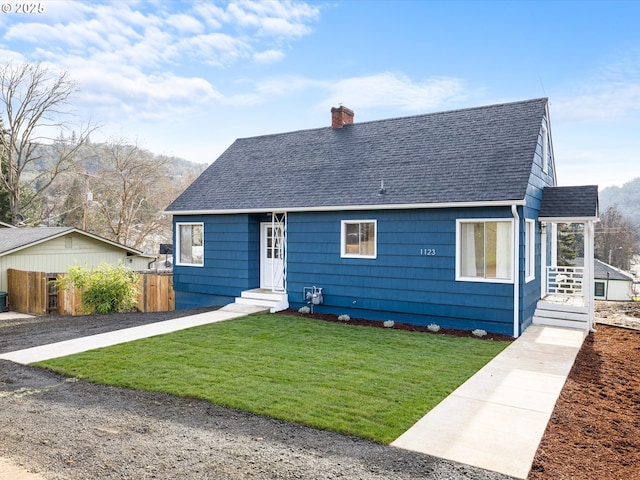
x=427 y=219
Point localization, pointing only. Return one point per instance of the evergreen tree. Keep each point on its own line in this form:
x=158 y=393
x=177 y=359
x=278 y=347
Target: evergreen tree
x=567 y=245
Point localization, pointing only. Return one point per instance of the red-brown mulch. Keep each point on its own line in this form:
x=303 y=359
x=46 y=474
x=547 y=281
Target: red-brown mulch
x=594 y=431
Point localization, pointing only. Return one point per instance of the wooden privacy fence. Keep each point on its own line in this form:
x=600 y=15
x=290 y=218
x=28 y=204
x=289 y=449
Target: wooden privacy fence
x=33 y=292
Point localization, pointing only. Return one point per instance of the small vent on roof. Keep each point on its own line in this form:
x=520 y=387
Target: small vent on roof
x=382 y=190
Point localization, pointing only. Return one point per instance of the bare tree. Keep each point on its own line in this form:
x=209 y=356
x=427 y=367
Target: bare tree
x=615 y=239
x=129 y=194
x=5 y=213
x=35 y=100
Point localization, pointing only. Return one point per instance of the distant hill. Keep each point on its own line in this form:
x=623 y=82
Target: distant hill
x=179 y=168
x=626 y=198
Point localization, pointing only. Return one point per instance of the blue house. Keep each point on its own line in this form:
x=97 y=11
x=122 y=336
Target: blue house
x=424 y=219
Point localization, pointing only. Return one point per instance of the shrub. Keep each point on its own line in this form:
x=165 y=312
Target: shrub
x=433 y=327
x=105 y=289
x=479 y=333
x=344 y=318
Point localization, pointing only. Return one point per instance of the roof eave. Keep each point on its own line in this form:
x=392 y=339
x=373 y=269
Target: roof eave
x=594 y=218
x=66 y=232
x=335 y=208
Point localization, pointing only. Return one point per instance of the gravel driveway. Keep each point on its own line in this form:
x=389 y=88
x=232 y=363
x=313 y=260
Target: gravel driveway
x=68 y=429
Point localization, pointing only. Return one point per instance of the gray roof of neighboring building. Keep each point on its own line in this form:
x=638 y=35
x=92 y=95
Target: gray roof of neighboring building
x=601 y=269
x=482 y=154
x=12 y=239
x=569 y=202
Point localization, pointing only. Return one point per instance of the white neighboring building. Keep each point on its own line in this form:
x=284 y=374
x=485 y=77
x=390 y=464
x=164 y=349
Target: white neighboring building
x=610 y=283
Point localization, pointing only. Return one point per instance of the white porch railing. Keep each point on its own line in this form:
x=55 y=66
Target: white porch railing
x=565 y=281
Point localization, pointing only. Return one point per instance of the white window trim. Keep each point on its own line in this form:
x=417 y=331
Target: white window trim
x=530 y=250
x=545 y=149
x=343 y=245
x=176 y=251
x=459 y=276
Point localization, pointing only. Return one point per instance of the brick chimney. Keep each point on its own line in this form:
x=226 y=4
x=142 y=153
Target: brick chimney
x=341 y=116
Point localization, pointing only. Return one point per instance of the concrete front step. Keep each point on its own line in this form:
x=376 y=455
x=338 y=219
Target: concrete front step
x=260 y=297
x=559 y=315
x=559 y=322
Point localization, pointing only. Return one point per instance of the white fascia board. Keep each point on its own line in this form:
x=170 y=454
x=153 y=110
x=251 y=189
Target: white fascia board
x=336 y=208
x=567 y=219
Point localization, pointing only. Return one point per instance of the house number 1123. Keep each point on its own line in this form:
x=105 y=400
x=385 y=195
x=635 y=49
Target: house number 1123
x=429 y=252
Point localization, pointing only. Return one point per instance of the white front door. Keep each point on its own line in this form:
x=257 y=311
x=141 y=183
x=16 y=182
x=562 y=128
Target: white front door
x=271 y=256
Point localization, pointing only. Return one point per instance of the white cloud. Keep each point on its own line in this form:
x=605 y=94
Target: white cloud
x=612 y=94
x=214 y=48
x=268 y=56
x=212 y=15
x=152 y=61
x=396 y=90
x=274 y=18
x=606 y=102
x=383 y=90
x=185 y=23
x=107 y=92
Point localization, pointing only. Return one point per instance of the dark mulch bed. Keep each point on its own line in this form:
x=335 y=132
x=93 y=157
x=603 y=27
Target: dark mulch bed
x=396 y=325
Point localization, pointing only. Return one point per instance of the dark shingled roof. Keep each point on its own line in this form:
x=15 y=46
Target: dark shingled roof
x=601 y=270
x=569 y=202
x=480 y=154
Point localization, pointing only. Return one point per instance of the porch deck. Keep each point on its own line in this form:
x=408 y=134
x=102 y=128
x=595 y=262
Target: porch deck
x=568 y=300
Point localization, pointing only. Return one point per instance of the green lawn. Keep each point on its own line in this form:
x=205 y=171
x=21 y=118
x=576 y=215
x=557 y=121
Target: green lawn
x=370 y=382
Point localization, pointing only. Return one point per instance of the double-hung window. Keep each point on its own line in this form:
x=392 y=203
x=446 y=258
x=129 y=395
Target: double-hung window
x=484 y=250
x=530 y=250
x=190 y=244
x=358 y=239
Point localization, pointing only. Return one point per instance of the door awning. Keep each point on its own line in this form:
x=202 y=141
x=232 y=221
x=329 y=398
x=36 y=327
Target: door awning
x=569 y=204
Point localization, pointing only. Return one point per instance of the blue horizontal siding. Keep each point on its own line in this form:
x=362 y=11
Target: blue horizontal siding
x=231 y=261
x=399 y=284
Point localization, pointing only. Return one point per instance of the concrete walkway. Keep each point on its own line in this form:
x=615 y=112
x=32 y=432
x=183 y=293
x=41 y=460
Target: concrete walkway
x=496 y=419
x=77 y=345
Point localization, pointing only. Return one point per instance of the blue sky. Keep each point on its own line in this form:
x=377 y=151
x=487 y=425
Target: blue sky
x=188 y=78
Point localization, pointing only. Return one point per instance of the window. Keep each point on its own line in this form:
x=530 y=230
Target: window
x=599 y=289
x=358 y=238
x=484 y=250
x=530 y=250
x=190 y=240
x=545 y=150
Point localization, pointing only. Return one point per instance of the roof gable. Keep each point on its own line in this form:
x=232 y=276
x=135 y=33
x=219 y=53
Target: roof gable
x=480 y=154
x=15 y=239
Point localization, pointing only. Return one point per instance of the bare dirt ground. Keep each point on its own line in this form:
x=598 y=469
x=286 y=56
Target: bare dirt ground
x=594 y=431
